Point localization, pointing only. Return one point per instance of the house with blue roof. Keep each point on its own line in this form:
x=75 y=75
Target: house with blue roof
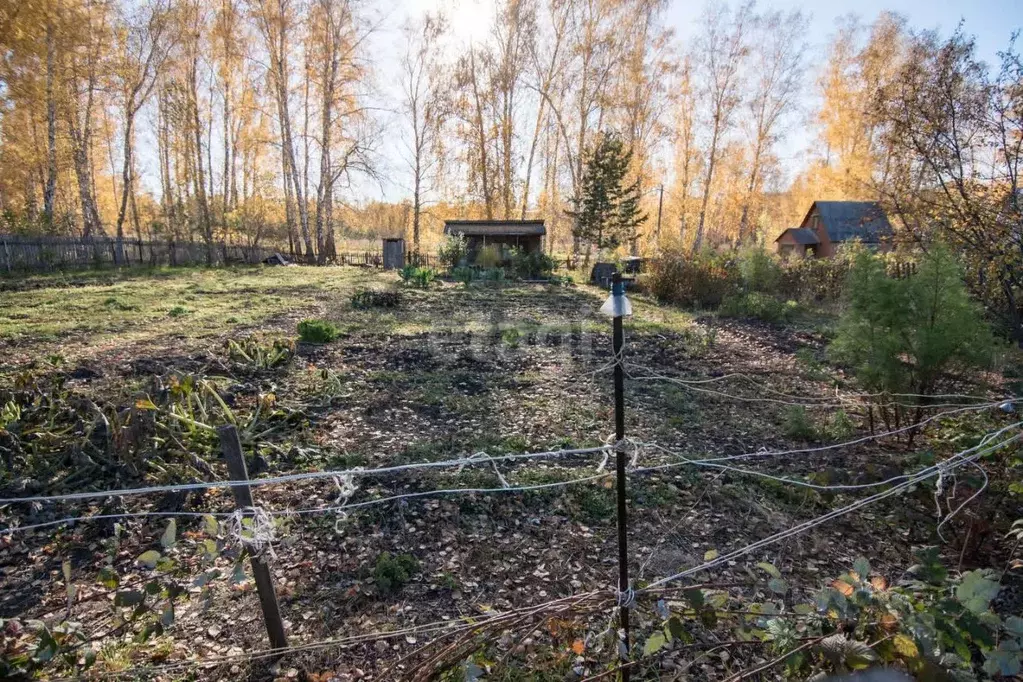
x=829 y=224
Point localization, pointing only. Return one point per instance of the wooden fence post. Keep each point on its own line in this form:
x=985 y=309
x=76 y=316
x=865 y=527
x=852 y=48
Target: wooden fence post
x=232 y=449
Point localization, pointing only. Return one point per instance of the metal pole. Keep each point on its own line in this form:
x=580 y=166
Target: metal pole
x=617 y=342
x=660 y=204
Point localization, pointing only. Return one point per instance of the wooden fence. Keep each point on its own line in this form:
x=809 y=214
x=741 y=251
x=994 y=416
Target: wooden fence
x=19 y=253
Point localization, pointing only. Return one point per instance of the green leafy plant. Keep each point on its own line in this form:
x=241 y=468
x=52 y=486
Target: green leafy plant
x=260 y=353
x=317 y=331
x=492 y=275
x=393 y=571
x=760 y=271
x=760 y=306
x=419 y=277
x=454 y=251
x=463 y=274
x=930 y=624
x=531 y=265
x=177 y=311
x=908 y=335
x=798 y=424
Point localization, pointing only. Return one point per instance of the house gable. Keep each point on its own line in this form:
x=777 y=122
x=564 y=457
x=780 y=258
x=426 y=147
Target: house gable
x=835 y=222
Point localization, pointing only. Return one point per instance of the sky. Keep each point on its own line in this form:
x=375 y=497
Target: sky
x=990 y=21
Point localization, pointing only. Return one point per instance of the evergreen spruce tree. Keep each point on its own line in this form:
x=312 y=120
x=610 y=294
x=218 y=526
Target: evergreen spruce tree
x=606 y=212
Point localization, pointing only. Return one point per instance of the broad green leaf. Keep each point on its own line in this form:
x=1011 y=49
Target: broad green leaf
x=170 y=535
x=1005 y=660
x=976 y=591
x=149 y=559
x=66 y=568
x=211 y=525
x=769 y=569
x=166 y=564
x=862 y=567
x=167 y=619
x=694 y=597
x=678 y=630
x=1014 y=624
x=238 y=576
x=108 y=578
x=654 y=643
x=710 y=555
x=778 y=586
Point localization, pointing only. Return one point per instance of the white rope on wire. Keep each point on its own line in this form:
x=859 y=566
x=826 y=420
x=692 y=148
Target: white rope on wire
x=818 y=449
x=626 y=599
x=807 y=484
x=306 y=476
x=800 y=401
x=253 y=528
x=769 y=389
x=335 y=508
x=483 y=456
x=605 y=449
x=957 y=460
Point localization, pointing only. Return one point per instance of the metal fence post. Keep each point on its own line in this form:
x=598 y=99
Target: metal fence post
x=617 y=344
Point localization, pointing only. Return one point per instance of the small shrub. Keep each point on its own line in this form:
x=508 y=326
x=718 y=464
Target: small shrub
x=532 y=265
x=841 y=427
x=412 y=275
x=317 y=331
x=453 y=251
x=798 y=425
x=909 y=335
x=488 y=257
x=369 y=298
x=392 y=572
x=759 y=306
x=463 y=274
x=759 y=270
x=494 y=275
x=511 y=337
x=815 y=279
x=703 y=281
x=177 y=311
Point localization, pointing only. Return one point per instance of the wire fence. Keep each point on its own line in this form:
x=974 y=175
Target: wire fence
x=253 y=526
x=22 y=254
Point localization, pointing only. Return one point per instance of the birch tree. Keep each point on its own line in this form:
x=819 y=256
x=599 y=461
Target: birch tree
x=145 y=46
x=721 y=51
x=424 y=105
x=776 y=76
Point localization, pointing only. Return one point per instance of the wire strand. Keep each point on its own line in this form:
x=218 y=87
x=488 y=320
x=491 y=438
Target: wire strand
x=952 y=463
x=306 y=476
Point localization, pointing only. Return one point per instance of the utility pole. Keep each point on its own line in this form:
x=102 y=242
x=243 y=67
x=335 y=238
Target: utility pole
x=660 y=205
